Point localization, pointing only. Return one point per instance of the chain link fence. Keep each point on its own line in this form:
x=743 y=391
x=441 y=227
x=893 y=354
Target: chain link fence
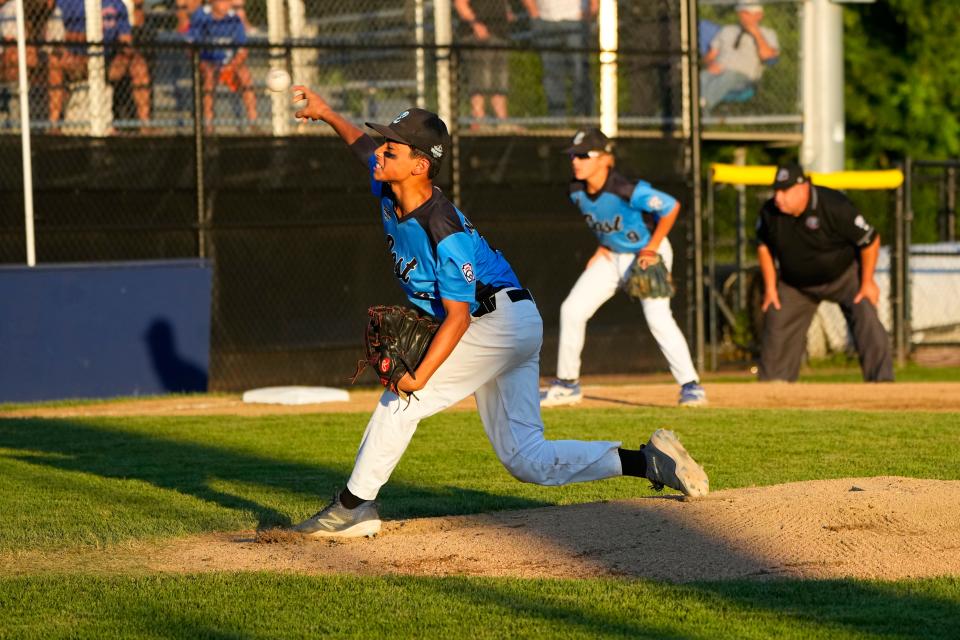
x=750 y=78
x=162 y=141
x=521 y=64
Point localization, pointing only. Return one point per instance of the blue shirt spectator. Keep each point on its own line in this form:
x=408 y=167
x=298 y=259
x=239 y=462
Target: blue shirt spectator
x=116 y=20
x=205 y=27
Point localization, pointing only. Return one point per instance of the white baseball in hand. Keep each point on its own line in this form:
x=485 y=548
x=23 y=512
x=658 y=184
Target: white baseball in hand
x=278 y=80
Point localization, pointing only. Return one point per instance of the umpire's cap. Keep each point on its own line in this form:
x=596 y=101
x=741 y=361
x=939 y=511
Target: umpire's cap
x=421 y=129
x=589 y=140
x=789 y=175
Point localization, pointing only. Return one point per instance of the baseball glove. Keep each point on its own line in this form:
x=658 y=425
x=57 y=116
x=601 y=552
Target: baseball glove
x=652 y=282
x=396 y=339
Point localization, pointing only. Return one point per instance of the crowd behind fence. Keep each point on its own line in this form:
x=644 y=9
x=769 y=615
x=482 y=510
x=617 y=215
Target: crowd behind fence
x=522 y=64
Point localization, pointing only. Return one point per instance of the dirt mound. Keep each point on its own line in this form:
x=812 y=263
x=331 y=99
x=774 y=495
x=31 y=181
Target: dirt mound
x=887 y=528
x=906 y=396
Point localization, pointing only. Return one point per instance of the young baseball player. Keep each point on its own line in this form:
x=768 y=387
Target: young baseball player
x=488 y=343
x=614 y=209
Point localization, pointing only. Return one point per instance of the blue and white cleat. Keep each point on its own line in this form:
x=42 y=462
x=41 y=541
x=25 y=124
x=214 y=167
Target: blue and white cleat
x=692 y=395
x=561 y=393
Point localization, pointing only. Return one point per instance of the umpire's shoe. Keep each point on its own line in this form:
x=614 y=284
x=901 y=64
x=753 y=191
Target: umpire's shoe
x=338 y=521
x=561 y=392
x=669 y=464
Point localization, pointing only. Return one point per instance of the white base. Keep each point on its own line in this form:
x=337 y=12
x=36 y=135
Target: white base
x=295 y=395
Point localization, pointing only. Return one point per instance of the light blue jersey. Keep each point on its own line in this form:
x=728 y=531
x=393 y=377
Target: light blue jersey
x=615 y=213
x=437 y=253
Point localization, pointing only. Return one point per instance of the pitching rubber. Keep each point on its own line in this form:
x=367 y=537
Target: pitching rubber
x=693 y=479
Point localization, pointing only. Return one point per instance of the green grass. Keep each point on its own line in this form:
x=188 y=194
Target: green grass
x=285 y=606
x=101 y=482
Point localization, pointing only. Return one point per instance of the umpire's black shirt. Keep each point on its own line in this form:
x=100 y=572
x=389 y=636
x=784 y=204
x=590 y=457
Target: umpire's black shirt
x=819 y=245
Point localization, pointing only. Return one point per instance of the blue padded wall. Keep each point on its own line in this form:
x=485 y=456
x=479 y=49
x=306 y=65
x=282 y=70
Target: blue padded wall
x=99 y=330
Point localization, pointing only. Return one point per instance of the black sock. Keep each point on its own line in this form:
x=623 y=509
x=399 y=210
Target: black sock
x=634 y=462
x=350 y=501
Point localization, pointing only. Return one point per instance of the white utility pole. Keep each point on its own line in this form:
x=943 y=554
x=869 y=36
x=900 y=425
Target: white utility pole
x=443 y=32
x=27 y=155
x=279 y=102
x=824 y=129
x=101 y=112
x=608 y=67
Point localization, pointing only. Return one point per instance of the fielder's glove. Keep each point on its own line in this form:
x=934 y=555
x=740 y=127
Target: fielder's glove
x=654 y=281
x=396 y=339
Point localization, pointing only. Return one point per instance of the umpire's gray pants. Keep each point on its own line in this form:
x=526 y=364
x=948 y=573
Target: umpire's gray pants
x=785 y=330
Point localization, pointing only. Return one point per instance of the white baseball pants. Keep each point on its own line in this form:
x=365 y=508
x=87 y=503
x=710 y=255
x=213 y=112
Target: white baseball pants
x=497 y=360
x=596 y=285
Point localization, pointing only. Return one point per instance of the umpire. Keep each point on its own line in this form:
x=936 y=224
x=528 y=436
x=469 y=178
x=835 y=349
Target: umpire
x=825 y=250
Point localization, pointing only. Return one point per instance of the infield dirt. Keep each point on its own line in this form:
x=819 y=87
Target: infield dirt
x=884 y=528
x=902 y=396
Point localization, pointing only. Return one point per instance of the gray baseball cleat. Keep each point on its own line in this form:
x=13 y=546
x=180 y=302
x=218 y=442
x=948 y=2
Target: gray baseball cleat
x=669 y=464
x=335 y=520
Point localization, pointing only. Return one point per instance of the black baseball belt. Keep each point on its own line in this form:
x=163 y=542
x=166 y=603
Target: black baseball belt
x=489 y=303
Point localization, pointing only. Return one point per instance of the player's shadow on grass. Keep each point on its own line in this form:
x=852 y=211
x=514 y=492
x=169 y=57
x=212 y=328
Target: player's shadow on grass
x=193 y=469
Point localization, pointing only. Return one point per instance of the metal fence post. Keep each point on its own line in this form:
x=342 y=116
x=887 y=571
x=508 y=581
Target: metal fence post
x=693 y=88
x=905 y=266
x=897 y=274
x=454 y=124
x=710 y=213
x=198 y=126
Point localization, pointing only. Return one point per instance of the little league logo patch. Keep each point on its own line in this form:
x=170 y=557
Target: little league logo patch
x=436 y=150
x=577 y=139
x=655 y=203
x=782 y=175
x=813 y=223
x=468 y=272
x=400 y=117
x=860 y=222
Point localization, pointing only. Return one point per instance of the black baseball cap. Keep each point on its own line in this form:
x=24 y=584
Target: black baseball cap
x=421 y=129
x=789 y=175
x=590 y=140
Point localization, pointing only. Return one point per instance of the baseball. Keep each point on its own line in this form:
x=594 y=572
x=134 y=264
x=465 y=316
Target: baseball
x=278 y=80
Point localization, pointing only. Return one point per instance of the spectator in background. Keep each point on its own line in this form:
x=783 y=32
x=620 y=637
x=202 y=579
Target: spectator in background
x=735 y=60
x=121 y=59
x=565 y=24
x=485 y=22
x=41 y=23
x=217 y=23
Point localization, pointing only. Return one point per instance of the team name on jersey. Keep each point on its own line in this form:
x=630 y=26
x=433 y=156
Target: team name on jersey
x=401 y=266
x=601 y=226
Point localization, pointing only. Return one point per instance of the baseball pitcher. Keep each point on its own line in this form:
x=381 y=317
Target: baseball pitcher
x=487 y=343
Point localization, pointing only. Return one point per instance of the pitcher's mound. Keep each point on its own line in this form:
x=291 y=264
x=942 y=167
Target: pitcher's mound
x=886 y=527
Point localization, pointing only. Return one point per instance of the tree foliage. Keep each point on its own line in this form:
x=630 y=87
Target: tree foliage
x=902 y=61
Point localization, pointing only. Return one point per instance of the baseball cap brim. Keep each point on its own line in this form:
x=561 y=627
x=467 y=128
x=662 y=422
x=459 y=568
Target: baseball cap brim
x=583 y=147
x=388 y=133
